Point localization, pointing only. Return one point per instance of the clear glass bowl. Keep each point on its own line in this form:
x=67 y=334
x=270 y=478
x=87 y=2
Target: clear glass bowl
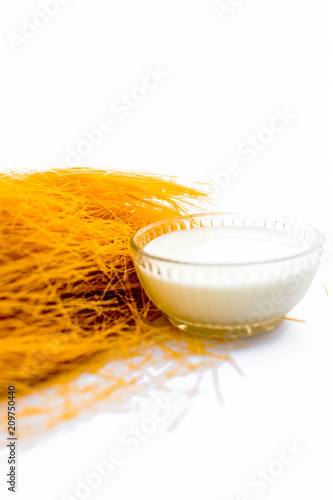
x=233 y=299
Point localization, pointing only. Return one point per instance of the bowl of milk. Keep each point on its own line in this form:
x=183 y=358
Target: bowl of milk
x=227 y=275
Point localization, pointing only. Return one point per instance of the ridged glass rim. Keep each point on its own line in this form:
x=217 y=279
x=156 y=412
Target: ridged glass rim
x=319 y=238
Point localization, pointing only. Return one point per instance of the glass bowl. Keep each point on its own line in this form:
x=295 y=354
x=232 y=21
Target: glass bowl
x=233 y=299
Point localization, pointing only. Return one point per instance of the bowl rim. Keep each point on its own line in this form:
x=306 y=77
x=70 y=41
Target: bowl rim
x=319 y=241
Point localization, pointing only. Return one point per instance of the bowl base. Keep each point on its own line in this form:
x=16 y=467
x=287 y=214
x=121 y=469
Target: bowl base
x=226 y=333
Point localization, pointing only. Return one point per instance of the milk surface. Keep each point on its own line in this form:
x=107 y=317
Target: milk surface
x=225 y=245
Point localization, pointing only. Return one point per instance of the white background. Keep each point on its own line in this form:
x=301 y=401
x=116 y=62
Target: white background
x=226 y=74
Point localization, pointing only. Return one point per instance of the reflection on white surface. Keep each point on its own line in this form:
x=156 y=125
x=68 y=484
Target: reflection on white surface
x=204 y=449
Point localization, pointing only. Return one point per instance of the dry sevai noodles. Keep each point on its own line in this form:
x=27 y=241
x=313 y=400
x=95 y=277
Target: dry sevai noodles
x=69 y=297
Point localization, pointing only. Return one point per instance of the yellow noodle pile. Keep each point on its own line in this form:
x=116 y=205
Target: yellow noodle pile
x=69 y=297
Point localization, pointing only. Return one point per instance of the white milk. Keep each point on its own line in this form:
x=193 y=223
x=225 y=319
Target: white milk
x=226 y=276
x=225 y=245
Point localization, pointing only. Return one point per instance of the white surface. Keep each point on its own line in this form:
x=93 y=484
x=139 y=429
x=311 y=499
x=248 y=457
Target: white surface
x=243 y=101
